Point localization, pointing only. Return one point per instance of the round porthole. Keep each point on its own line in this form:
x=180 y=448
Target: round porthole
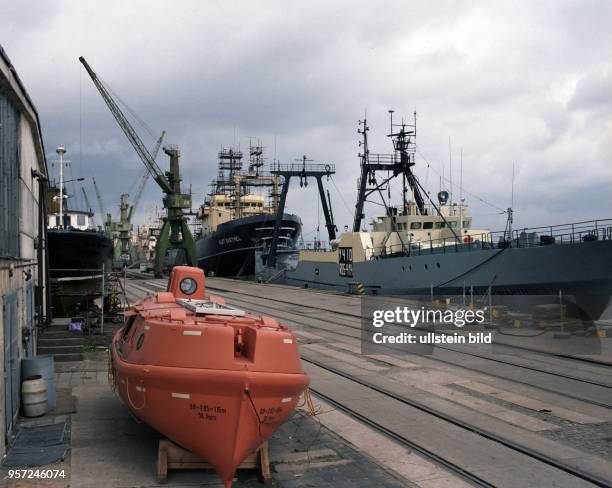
x=426 y=266
x=188 y=286
x=437 y=265
x=140 y=341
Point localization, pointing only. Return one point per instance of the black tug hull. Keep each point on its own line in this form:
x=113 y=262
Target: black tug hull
x=230 y=250
x=76 y=260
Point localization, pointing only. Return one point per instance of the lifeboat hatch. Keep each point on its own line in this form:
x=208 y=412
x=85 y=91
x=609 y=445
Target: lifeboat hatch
x=187 y=282
x=208 y=307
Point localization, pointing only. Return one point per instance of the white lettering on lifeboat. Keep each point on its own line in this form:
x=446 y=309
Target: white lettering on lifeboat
x=180 y=395
x=192 y=332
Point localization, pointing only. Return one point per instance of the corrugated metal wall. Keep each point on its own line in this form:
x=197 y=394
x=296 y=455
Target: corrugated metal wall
x=9 y=178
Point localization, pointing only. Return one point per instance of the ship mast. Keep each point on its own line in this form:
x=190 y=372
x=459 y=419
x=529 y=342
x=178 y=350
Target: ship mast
x=363 y=179
x=61 y=150
x=404 y=144
x=401 y=162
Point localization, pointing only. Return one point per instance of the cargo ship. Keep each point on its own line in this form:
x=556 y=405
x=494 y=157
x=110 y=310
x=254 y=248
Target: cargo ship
x=422 y=246
x=237 y=221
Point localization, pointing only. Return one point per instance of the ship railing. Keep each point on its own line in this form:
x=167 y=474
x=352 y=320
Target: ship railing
x=296 y=167
x=587 y=231
x=390 y=159
x=434 y=246
x=590 y=230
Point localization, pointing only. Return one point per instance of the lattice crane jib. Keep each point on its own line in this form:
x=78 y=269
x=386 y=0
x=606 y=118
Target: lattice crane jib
x=144 y=178
x=175 y=235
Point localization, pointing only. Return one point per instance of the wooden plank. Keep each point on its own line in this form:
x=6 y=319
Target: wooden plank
x=162 y=463
x=264 y=463
x=171 y=456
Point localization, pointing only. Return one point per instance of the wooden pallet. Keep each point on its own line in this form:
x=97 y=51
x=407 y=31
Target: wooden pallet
x=171 y=456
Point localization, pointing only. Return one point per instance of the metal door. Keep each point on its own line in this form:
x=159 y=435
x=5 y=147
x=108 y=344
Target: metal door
x=11 y=360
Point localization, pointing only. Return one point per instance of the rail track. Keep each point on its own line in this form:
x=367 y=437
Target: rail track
x=406 y=402
x=577 y=359
x=404 y=441
x=578 y=473
x=600 y=396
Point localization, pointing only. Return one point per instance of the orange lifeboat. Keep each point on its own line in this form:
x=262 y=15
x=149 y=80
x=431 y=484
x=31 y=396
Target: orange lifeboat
x=214 y=379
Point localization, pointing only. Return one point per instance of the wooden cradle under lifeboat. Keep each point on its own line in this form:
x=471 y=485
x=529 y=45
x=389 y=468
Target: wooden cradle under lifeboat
x=213 y=379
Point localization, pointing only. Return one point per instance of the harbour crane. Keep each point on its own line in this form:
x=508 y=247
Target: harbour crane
x=175 y=237
x=124 y=225
x=123 y=228
x=144 y=179
x=104 y=217
x=87 y=204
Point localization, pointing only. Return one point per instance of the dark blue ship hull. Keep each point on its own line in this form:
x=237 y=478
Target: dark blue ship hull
x=230 y=250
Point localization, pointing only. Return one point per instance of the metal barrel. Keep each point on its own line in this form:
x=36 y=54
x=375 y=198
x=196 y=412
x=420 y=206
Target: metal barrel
x=42 y=366
x=34 y=396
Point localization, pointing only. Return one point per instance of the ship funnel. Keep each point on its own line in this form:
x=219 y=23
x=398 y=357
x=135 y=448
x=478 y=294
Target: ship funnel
x=443 y=197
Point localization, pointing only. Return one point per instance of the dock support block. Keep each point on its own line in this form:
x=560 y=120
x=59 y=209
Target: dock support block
x=171 y=456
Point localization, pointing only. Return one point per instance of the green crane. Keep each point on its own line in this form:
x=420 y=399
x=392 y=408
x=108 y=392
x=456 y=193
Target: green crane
x=104 y=217
x=126 y=212
x=123 y=227
x=87 y=204
x=144 y=178
x=175 y=237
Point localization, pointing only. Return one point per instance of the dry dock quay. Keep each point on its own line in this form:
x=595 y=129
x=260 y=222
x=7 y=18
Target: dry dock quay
x=450 y=419
x=534 y=419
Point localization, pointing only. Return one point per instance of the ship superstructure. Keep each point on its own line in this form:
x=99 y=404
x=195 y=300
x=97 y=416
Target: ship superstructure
x=238 y=215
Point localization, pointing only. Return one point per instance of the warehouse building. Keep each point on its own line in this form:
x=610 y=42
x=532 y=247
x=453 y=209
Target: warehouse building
x=23 y=293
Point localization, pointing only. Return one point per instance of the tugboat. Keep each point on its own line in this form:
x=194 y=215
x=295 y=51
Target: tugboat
x=214 y=379
x=236 y=222
x=79 y=254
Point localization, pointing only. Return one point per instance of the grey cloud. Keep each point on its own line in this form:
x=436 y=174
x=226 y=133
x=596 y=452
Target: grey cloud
x=593 y=92
x=480 y=73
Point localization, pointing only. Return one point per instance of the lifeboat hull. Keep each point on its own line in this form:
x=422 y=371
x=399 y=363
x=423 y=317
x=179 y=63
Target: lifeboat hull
x=222 y=416
x=214 y=385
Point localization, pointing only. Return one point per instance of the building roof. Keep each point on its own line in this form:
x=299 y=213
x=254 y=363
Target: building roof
x=13 y=87
x=73 y=212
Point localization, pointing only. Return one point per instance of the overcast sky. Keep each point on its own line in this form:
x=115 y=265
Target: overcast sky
x=527 y=84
